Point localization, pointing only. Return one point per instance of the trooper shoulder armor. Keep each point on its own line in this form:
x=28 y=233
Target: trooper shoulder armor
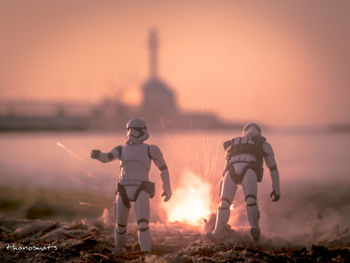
x=258 y=139
x=154 y=152
x=157 y=156
x=116 y=152
x=227 y=144
x=267 y=148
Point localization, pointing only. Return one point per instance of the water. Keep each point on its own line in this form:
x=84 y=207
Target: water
x=314 y=172
x=37 y=158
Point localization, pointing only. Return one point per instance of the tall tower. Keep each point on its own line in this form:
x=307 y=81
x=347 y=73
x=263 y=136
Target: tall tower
x=158 y=98
x=153 y=53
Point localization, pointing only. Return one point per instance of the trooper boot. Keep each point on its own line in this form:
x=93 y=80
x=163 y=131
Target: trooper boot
x=119 y=237
x=222 y=218
x=145 y=240
x=253 y=218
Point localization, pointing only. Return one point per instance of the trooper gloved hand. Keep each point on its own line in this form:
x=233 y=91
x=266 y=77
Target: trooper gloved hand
x=167 y=195
x=95 y=154
x=275 y=196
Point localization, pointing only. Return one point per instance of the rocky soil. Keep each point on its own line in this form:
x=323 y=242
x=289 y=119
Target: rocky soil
x=92 y=241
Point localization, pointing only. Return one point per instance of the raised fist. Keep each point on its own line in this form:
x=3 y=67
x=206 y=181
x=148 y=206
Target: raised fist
x=95 y=154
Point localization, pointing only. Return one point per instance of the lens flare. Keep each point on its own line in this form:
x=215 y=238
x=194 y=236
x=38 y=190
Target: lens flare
x=191 y=201
x=76 y=156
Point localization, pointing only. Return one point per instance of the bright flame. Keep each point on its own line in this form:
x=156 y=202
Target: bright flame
x=190 y=202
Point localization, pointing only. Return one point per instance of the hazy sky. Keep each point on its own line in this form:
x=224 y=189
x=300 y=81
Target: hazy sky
x=278 y=62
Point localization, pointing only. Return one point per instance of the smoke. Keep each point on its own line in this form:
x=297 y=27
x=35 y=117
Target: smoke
x=314 y=207
x=312 y=210
x=307 y=213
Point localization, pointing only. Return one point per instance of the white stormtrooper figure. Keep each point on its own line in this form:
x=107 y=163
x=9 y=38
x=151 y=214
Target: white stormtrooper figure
x=135 y=161
x=244 y=166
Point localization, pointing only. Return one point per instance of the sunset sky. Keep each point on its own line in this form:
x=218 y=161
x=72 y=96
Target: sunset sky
x=277 y=62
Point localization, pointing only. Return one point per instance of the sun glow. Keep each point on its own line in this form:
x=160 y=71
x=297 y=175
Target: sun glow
x=191 y=201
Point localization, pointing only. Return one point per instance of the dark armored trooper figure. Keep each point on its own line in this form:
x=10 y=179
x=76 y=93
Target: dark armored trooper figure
x=244 y=166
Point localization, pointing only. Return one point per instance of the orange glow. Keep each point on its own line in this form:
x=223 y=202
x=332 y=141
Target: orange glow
x=272 y=58
x=132 y=96
x=191 y=200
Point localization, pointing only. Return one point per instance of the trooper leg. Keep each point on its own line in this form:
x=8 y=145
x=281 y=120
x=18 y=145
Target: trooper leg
x=142 y=211
x=228 y=191
x=122 y=214
x=249 y=185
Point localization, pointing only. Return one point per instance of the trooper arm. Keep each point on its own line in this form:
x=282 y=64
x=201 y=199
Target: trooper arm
x=271 y=164
x=159 y=161
x=115 y=153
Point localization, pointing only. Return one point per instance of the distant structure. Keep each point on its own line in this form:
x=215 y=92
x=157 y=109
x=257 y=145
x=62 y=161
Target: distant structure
x=158 y=98
x=158 y=107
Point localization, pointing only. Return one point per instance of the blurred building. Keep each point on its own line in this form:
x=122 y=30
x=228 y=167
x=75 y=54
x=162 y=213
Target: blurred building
x=159 y=99
x=158 y=107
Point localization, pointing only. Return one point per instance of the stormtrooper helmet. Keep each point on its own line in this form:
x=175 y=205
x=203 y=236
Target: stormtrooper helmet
x=136 y=131
x=251 y=129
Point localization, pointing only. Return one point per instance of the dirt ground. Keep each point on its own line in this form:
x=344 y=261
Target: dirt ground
x=92 y=241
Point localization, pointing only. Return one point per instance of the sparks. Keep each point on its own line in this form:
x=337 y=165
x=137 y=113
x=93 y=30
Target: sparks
x=76 y=156
x=69 y=151
x=88 y=204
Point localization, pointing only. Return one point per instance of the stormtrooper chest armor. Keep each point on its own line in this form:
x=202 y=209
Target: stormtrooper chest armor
x=135 y=163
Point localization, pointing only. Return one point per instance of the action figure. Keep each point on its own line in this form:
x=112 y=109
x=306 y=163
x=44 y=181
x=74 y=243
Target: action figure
x=135 y=162
x=244 y=166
